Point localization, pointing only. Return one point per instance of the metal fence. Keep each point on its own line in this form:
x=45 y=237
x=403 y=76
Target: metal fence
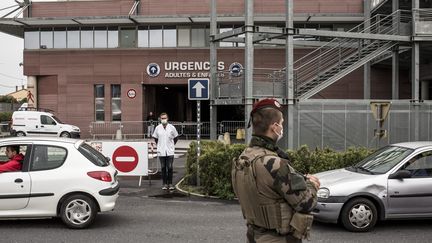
x=339 y=124
x=144 y=129
x=336 y=124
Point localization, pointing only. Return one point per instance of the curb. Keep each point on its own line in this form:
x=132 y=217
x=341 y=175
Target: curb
x=192 y=193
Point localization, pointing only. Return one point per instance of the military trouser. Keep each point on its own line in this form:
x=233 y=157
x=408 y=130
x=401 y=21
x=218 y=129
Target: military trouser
x=260 y=235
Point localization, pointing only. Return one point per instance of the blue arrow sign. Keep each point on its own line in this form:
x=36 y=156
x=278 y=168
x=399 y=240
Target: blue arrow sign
x=198 y=89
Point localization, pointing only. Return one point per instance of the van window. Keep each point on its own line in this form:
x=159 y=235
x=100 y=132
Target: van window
x=46 y=120
x=47 y=157
x=57 y=119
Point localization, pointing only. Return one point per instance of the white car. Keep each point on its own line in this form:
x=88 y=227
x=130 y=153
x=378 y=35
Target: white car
x=63 y=178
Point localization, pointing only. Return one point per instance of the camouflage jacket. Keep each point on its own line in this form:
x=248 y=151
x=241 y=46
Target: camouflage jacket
x=277 y=180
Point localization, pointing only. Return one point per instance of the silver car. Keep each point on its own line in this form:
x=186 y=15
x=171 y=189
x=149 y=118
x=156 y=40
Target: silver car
x=395 y=182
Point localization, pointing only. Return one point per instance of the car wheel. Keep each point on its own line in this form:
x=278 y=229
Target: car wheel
x=78 y=211
x=65 y=135
x=20 y=134
x=359 y=215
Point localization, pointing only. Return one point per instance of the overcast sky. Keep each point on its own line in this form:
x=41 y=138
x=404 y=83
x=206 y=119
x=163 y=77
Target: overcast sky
x=11 y=55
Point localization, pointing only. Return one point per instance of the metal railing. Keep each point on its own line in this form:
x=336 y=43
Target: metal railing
x=231 y=127
x=4 y=129
x=144 y=129
x=423 y=21
x=266 y=82
x=333 y=55
x=424 y=14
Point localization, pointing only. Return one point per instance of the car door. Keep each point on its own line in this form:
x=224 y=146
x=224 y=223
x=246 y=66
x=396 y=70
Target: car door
x=412 y=195
x=48 y=178
x=14 y=186
x=49 y=127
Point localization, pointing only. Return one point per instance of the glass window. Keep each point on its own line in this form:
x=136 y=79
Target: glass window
x=113 y=37
x=86 y=38
x=207 y=36
x=155 y=36
x=184 y=33
x=59 y=38
x=143 y=36
x=239 y=44
x=198 y=37
x=225 y=29
x=57 y=120
x=116 y=102
x=93 y=155
x=31 y=40
x=99 y=93
x=100 y=38
x=382 y=160
x=169 y=36
x=73 y=38
x=46 y=120
x=47 y=157
x=46 y=39
x=22 y=149
x=420 y=165
x=128 y=37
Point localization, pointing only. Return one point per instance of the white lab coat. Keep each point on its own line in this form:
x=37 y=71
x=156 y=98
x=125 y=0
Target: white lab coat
x=165 y=136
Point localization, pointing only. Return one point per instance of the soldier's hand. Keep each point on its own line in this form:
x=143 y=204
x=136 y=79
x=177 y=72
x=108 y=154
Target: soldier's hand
x=315 y=181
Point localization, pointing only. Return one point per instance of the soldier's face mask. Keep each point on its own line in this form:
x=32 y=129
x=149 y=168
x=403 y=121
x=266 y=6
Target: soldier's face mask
x=279 y=134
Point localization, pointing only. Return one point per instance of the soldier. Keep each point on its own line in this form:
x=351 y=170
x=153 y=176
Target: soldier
x=276 y=201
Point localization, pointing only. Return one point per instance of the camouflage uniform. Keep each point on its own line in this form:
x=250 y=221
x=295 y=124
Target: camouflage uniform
x=276 y=201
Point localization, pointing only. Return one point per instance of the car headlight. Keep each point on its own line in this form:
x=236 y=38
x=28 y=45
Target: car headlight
x=323 y=193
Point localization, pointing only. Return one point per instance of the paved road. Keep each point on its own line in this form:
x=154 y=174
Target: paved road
x=180 y=219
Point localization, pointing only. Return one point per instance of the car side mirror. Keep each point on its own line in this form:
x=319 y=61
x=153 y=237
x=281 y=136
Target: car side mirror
x=400 y=174
x=108 y=159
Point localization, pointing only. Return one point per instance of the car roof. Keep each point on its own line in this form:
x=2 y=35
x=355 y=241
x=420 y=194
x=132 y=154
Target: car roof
x=414 y=145
x=77 y=142
x=31 y=112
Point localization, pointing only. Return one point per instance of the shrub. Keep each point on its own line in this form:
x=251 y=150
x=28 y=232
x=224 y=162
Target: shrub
x=5 y=116
x=216 y=161
x=7 y=99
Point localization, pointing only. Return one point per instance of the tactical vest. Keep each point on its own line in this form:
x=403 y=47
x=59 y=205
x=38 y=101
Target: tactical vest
x=261 y=210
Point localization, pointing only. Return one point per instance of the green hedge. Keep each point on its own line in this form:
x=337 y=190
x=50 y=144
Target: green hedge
x=5 y=116
x=216 y=158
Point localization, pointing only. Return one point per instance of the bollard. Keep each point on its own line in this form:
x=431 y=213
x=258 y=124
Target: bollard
x=118 y=134
x=239 y=134
x=227 y=138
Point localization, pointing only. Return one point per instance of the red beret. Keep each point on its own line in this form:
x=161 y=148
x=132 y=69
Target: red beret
x=266 y=103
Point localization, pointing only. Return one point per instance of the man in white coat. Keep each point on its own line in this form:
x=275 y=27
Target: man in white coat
x=166 y=137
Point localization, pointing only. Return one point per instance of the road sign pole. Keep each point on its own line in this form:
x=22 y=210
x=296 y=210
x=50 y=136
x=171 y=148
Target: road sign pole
x=198 y=89
x=198 y=140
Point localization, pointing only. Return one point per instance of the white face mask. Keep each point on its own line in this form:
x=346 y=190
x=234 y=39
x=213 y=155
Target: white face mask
x=164 y=121
x=279 y=135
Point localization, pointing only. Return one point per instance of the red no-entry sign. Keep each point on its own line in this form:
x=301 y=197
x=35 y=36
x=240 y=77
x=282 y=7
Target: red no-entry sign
x=125 y=158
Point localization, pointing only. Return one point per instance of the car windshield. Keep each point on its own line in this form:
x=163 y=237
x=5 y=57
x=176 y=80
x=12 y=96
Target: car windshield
x=58 y=120
x=93 y=155
x=382 y=160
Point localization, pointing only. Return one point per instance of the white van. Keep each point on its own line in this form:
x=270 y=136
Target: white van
x=40 y=123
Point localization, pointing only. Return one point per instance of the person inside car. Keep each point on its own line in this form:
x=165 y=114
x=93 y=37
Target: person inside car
x=15 y=160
